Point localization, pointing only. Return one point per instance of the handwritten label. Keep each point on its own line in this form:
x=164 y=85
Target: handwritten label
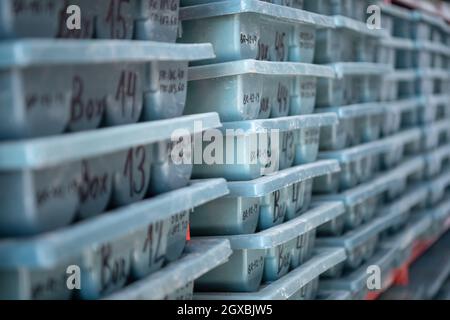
x=309 y=136
x=114 y=268
x=279 y=207
x=117 y=20
x=179 y=224
x=264 y=155
x=153 y=244
x=301 y=241
x=288 y=145
x=307 y=40
x=308 y=89
x=49 y=285
x=85 y=108
x=248 y=39
x=93 y=185
x=280 y=47
x=60 y=190
x=284 y=259
x=44 y=100
x=126 y=92
x=172 y=80
x=164 y=12
x=264 y=106
x=248 y=98
x=136 y=170
x=184 y=293
x=250 y=212
x=255 y=265
x=298 y=196
x=282 y=98
x=263 y=51
x=34 y=7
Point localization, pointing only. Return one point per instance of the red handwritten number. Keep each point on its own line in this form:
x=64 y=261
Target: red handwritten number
x=115 y=17
x=127 y=89
x=138 y=153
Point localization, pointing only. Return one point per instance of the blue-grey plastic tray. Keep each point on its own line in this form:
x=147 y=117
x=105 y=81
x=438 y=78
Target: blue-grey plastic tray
x=264 y=146
x=356 y=282
x=54 y=86
x=355 y=9
x=401 y=145
x=251 y=89
x=270 y=254
x=425 y=26
x=397 y=20
x=396 y=52
x=293 y=286
x=261 y=203
x=404 y=113
x=399 y=85
x=362 y=201
x=209 y=9
x=358 y=123
x=395 y=11
x=436 y=134
x=429 y=54
x=437 y=160
x=355 y=82
x=360 y=244
x=170 y=283
x=298 y=4
x=49 y=182
x=351 y=40
x=359 y=27
x=360 y=68
x=109 y=250
x=145 y=20
x=401 y=210
x=250 y=29
x=435 y=108
x=438 y=187
x=418 y=226
x=428 y=80
x=398 y=43
x=441 y=216
x=358 y=165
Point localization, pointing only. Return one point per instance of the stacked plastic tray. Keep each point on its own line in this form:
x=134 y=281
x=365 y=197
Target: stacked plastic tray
x=86 y=168
x=264 y=87
x=430 y=64
x=298 y=146
x=413 y=205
